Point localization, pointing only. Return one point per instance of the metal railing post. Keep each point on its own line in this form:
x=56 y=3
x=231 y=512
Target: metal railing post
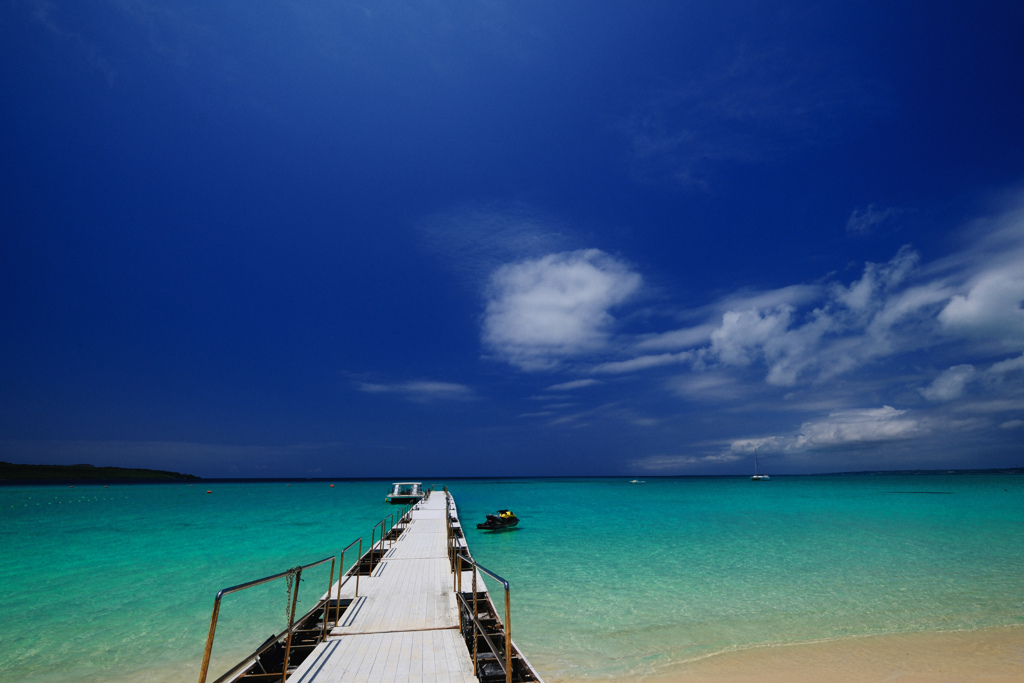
x=478 y=629
x=209 y=638
x=291 y=623
x=337 y=605
x=293 y=598
x=358 y=572
x=204 y=670
x=508 y=636
x=327 y=604
x=476 y=615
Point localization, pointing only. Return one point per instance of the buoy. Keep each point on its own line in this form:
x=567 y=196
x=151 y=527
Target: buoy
x=71 y=487
x=209 y=491
x=332 y=486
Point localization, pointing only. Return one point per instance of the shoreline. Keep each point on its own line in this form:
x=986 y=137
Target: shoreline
x=991 y=654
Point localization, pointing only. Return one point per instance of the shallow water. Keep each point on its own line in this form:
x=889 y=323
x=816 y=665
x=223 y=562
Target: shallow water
x=608 y=578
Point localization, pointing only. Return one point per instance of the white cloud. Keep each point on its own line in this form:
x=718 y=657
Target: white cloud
x=989 y=277
x=871 y=318
x=847 y=427
x=793 y=295
x=864 y=220
x=643 y=362
x=1012 y=424
x=667 y=463
x=575 y=384
x=421 y=391
x=950 y=384
x=991 y=307
x=744 y=299
x=677 y=339
x=782 y=299
x=841 y=429
x=707 y=386
x=743 y=334
x=542 y=311
x=965 y=308
x=998 y=405
x=838 y=431
x=1009 y=365
x=866 y=293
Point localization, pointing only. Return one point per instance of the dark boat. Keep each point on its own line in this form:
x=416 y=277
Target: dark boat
x=505 y=519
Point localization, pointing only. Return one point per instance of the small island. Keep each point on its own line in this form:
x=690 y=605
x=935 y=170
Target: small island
x=14 y=472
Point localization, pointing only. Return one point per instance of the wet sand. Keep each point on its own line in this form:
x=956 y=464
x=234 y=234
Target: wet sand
x=987 y=655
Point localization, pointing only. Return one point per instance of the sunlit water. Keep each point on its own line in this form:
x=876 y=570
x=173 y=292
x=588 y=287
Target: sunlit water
x=608 y=578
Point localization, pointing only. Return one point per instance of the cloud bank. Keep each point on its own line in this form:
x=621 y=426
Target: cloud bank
x=908 y=350
x=802 y=334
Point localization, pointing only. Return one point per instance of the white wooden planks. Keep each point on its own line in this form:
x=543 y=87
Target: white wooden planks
x=404 y=595
x=404 y=624
x=414 y=656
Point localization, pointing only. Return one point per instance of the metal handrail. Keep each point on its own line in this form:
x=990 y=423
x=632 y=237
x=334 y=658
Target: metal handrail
x=507 y=665
x=355 y=566
x=452 y=541
x=341 y=570
x=297 y=571
x=402 y=518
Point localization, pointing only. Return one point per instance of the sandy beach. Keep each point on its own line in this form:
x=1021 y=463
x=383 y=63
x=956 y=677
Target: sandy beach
x=986 y=655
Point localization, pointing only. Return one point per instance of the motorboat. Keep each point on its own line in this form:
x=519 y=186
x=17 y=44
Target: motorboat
x=505 y=519
x=637 y=481
x=405 y=492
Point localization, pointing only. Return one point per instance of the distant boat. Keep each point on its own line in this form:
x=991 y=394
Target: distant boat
x=757 y=473
x=405 y=492
x=637 y=481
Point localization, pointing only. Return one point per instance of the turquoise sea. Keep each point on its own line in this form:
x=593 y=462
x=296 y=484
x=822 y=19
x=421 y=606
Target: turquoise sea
x=608 y=579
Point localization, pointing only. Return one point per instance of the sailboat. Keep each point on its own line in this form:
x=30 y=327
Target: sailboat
x=757 y=473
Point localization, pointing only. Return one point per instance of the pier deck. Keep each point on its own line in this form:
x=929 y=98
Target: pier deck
x=404 y=625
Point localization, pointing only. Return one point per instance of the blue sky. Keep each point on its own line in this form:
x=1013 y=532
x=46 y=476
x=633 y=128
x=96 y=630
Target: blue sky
x=329 y=238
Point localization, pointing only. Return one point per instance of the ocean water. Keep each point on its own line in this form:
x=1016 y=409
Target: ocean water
x=608 y=579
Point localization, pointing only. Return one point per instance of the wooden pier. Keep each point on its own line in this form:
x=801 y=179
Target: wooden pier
x=405 y=612
x=404 y=626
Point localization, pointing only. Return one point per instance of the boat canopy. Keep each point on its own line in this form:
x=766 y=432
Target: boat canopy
x=407 y=488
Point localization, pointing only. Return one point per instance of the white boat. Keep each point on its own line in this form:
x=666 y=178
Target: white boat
x=637 y=481
x=405 y=492
x=757 y=473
